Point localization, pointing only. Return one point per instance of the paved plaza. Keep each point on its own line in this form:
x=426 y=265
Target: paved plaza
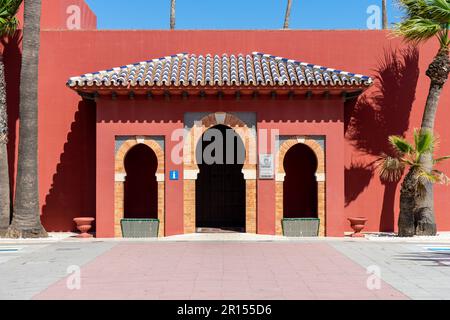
x=236 y=267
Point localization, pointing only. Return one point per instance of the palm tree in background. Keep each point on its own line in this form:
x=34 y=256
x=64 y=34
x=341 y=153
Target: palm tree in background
x=384 y=13
x=287 y=16
x=26 y=222
x=416 y=182
x=425 y=20
x=8 y=26
x=172 y=14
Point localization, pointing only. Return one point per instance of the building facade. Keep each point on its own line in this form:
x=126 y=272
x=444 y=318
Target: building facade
x=92 y=134
x=180 y=98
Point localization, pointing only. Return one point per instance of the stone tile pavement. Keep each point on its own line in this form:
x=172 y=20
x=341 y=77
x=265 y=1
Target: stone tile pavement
x=221 y=270
x=225 y=269
x=35 y=267
x=419 y=270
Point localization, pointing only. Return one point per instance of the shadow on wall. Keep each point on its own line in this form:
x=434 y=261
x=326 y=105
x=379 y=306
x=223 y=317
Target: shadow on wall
x=72 y=193
x=161 y=109
x=376 y=115
x=12 y=57
x=357 y=178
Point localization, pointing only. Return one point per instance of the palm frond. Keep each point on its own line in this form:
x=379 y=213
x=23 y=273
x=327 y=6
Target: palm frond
x=410 y=162
x=438 y=10
x=417 y=29
x=390 y=169
x=8 y=20
x=425 y=177
x=440 y=159
x=442 y=178
x=401 y=145
x=411 y=8
x=424 y=141
x=409 y=155
x=424 y=19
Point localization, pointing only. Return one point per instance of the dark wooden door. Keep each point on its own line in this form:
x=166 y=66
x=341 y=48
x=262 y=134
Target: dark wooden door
x=220 y=194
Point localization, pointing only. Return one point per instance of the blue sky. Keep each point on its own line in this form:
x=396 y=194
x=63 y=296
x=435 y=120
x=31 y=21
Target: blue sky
x=236 y=14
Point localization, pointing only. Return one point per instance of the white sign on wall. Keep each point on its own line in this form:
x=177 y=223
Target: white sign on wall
x=266 y=166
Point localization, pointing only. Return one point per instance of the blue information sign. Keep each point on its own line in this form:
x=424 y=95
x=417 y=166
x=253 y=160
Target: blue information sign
x=174 y=175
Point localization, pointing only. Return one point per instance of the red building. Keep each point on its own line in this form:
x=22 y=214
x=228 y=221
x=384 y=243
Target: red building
x=109 y=139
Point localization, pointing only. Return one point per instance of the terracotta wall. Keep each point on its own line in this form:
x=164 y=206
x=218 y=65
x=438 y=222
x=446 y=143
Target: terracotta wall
x=67 y=124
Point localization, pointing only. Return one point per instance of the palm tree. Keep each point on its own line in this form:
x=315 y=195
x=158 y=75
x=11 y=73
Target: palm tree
x=287 y=15
x=8 y=26
x=172 y=14
x=424 y=20
x=416 y=182
x=384 y=10
x=26 y=222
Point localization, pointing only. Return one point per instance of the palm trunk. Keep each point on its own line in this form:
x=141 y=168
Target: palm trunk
x=26 y=221
x=438 y=72
x=385 y=19
x=407 y=204
x=425 y=224
x=287 y=15
x=5 y=205
x=172 y=15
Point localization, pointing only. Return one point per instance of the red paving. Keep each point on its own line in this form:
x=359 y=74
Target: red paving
x=221 y=270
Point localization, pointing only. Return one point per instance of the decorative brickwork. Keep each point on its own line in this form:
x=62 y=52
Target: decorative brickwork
x=320 y=176
x=250 y=198
x=191 y=169
x=189 y=205
x=120 y=176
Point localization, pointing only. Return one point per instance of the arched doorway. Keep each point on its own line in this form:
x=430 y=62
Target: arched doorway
x=140 y=186
x=220 y=186
x=300 y=195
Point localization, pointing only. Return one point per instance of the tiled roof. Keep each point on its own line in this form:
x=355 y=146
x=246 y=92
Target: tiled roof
x=256 y=69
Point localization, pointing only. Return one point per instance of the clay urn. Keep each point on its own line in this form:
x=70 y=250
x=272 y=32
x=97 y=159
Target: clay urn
x=357 y=224
x=84 y=224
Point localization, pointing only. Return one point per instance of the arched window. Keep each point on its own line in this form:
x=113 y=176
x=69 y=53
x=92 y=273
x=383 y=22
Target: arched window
x=300 y=195
x=141 y=188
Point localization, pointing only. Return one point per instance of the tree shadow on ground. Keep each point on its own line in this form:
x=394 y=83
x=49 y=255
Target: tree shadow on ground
x=438 y=259
x=376 y=115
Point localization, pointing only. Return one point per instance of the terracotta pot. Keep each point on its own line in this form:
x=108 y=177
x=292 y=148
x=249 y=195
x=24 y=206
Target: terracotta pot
x=357 y=224
x=84 y=224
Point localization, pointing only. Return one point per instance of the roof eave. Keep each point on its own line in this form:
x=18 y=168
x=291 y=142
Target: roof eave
x=179 y=90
